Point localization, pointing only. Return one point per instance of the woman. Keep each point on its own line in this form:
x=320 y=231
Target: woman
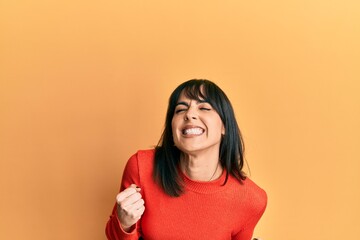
x=191 y=186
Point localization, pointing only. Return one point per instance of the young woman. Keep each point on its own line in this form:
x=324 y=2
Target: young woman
x=191 y=186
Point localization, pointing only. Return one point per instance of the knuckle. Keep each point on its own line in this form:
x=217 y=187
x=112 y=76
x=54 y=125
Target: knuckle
x=119 y=197
x=121 y=205
x=132 y=215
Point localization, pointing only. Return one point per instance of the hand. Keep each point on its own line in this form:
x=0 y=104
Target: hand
x=130 y=206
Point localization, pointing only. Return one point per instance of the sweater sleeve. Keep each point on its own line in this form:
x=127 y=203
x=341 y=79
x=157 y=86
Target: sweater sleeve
x=113 y=228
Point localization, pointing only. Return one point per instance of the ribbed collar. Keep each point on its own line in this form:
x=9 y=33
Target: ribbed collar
x=202 y=186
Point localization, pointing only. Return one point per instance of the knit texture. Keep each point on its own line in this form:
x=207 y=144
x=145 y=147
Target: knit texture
x=206 y=210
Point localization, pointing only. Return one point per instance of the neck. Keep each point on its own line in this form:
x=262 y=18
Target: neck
x=200 y=168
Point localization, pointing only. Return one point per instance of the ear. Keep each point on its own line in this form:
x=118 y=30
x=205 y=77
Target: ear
x=223 y=130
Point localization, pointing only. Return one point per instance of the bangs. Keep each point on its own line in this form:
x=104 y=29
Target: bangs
x=201 y=90
x=195 y=92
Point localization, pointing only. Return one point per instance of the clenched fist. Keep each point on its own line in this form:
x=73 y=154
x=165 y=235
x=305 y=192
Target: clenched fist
x=130 y=206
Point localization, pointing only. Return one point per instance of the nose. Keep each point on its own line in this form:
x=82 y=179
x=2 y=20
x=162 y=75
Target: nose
x=190 y=114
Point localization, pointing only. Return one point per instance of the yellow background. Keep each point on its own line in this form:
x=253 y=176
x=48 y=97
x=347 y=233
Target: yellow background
x=84 y=84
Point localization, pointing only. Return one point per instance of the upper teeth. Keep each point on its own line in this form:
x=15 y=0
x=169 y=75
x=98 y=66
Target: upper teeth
x=193 y=131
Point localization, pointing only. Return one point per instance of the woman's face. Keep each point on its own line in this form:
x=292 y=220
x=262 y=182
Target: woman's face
x=196 y=126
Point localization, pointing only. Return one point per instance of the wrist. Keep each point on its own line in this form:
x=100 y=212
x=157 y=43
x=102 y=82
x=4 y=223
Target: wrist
x=127 y=229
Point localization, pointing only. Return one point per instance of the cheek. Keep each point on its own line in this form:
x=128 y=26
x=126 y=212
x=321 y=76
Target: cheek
x=221 y=128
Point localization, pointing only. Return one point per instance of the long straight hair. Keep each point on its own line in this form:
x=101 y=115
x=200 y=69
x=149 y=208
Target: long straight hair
x=167 y=155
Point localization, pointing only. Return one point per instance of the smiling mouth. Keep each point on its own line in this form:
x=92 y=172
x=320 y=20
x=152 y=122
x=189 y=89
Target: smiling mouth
x=192 y=131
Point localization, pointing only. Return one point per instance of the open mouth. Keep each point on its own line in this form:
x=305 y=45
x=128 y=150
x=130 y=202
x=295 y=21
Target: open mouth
x=192 y=131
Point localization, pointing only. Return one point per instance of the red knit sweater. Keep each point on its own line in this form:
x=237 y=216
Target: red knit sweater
x=206 y=210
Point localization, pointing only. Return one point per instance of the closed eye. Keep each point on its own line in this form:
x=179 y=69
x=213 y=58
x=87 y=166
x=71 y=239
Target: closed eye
x=204 y=106
x=180 y=110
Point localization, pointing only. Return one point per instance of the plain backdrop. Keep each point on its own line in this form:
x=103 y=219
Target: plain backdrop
x=84 y=84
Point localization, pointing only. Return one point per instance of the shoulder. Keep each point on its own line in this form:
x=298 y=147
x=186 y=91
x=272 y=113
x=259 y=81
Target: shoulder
x=141 y=162
x=253 y=188
x=257 y=195
x=146 y=154
x=140 y=159
x=249 y=194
